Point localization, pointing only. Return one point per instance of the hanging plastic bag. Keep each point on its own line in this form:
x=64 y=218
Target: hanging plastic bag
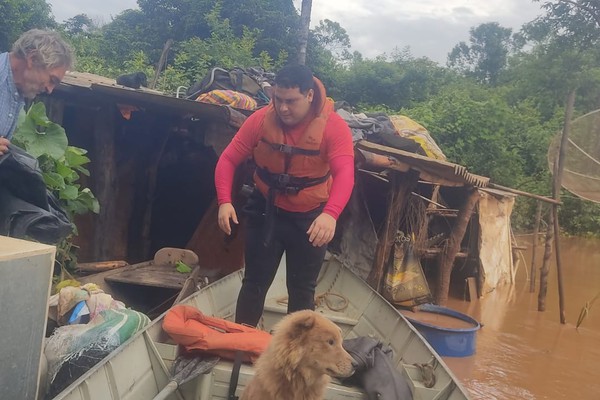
x=405 y=282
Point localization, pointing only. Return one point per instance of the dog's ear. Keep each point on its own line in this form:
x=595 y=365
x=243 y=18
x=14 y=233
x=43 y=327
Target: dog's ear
x=302 y=325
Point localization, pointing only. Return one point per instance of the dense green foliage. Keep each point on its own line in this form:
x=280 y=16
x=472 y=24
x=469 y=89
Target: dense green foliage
x=19 y=16
x=494 y=108
x=61 y=165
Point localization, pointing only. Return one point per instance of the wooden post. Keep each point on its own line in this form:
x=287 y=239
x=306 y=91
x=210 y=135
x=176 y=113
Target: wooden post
x=557 y=184
x=449 y=254
x=105 y=179
x=536 y=231
x=545 y=268
x=401 y=185
x=154 y=156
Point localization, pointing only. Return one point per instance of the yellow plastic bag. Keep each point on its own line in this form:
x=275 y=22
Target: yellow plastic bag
x=405 y=283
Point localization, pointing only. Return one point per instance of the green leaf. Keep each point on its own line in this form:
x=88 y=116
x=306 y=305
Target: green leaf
x=67 y=173
x=87 y=197
x=182 y=267
x=75 y=157
x=37 y=113
x=54 y=180
x=69 y=193
x=41 y=136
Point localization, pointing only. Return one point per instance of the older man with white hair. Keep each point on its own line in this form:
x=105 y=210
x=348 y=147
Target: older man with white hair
x=36 y=64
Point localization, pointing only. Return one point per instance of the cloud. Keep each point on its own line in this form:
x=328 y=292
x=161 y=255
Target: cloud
x=101 y=11
x=430 y=28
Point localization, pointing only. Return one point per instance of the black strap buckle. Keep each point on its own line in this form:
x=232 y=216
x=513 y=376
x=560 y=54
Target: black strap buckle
x=283 y=180
x=284 y=148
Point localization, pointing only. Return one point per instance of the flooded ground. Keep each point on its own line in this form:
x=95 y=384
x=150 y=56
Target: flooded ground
x=526 y=354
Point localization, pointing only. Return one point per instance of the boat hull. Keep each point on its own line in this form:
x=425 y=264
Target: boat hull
x=146 y=358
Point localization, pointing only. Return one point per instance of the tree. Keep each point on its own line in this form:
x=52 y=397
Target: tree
x=277 y=21
x=565 y=55
x=333 y=38
x=486 y=55
x=78 y=25
x=479 y=127
x=160 y=20
x=577 y=21
x=19 y=16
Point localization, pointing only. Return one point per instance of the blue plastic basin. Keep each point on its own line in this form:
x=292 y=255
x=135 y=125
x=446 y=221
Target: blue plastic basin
x=449 y=342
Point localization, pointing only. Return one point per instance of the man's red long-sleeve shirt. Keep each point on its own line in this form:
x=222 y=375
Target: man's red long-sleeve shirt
x=336 y=146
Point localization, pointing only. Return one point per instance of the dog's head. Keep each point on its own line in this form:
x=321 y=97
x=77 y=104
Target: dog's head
x=307 y=340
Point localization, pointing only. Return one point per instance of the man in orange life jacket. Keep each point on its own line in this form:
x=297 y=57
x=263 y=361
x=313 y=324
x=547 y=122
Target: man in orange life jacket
x=305 y=174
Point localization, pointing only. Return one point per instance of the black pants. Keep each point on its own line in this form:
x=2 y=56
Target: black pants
x=303 y=260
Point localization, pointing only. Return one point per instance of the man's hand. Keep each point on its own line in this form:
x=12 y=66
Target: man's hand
x=322 y=229
x=4 y=142
x=227 y=213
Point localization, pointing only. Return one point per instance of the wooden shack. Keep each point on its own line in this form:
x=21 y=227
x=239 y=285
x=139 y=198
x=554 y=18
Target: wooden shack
x=152 y=167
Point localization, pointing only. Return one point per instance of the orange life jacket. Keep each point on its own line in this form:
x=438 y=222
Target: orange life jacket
x=193 y=330
x=299 y=174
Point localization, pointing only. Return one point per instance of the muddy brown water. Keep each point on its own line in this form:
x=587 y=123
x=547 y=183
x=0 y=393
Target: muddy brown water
x=525 y=354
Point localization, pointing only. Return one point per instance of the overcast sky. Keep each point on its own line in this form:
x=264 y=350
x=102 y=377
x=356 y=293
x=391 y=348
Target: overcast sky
x=430 y=27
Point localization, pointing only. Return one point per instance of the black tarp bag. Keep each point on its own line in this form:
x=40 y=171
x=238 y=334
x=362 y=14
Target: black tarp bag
x=27 y=209
x=237 y=79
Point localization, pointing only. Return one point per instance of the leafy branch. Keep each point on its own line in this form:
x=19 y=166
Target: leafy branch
x=62 y=166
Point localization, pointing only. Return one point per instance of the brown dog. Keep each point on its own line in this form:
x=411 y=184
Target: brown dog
x=305 y=351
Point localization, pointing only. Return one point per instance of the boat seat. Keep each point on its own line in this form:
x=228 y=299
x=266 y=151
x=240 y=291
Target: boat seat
x=340 y=318
x=221 y=375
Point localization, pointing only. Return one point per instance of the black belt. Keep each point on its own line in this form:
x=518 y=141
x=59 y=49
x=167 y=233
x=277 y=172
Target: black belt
x=286 y=184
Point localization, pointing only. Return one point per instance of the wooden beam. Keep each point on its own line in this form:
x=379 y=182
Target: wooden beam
x=525 y=194
x=389 y=162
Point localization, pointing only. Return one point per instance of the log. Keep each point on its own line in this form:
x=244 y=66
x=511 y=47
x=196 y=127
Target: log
x=101 y=266
x=448 y=256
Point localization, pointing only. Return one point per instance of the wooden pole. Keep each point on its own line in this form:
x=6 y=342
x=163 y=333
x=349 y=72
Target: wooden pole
x=521 y=193
x=449 y=254
x=545 y=267
x=536 y=231
x=556 y=194
x=401 y=185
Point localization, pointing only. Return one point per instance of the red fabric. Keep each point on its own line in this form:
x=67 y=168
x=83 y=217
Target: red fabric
x=193 y=330
x=337 y=143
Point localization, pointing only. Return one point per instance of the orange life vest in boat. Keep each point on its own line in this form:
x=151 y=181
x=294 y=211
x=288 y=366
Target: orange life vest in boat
x=299 y=172
x=193 y=330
